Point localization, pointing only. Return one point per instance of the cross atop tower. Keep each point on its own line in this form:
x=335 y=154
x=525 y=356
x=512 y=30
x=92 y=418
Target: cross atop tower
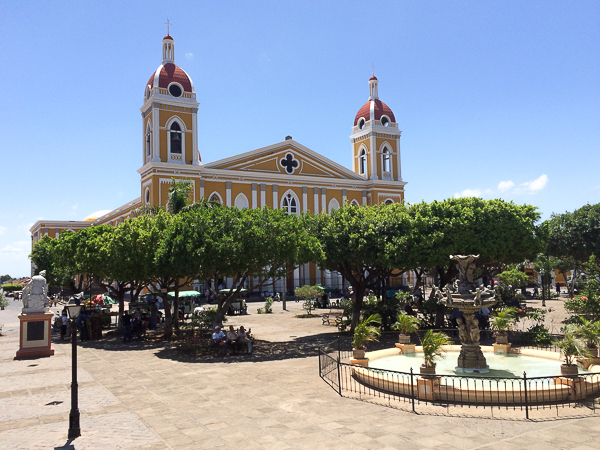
x=168 y=24
x=372 y=69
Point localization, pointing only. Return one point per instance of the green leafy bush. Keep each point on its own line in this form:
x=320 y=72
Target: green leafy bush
x=537 y=336
x=204 y=320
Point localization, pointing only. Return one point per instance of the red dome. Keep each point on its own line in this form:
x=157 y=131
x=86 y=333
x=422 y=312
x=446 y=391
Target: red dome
x=169 y=73
x=379 y=109
x=373 y=78
x=168 y=36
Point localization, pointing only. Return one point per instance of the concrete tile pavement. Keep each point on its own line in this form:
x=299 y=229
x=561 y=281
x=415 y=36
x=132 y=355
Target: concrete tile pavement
x=143 y=396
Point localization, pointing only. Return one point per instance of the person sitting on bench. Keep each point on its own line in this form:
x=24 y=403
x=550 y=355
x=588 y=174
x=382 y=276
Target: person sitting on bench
x=244 y=337
x=232 y=339
x=218 y=341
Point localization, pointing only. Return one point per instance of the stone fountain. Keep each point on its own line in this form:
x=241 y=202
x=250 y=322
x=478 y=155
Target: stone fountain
x=468 y=297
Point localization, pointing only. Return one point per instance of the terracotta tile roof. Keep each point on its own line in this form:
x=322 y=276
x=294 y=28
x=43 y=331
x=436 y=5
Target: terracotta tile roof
x=380 y=110
x=169 y=73
x=168 y=36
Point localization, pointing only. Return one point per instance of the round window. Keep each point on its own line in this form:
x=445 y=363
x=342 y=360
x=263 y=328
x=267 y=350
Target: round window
x=175 y=90
x=385 y=121
x=361 y=124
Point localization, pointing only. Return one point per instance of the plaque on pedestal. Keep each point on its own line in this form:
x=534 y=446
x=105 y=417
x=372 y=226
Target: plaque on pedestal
x=35 y=335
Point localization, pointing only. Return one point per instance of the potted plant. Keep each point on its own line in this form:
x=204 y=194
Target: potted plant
x=432 y=350
x=365 y=332
x=590 y=333
x=502 y=322
x=571 y=348
x=406 y=325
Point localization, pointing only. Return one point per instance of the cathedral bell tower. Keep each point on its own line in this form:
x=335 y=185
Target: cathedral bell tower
x=169 y=127
x=375 y=139
x=169 y=113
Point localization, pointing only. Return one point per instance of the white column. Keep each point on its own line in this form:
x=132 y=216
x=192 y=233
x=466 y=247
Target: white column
x=316 y=210
x=155 y=135
x=254 y=205
x=263 y=195
x=275 y=198
x=373 y=174
x=364 y=197
x=201 y=188
x=344 y=196
x=304 y=199
x=353 y=155
x=195 y=159
x=324 y=200
x=228 y=192
x=398 y=157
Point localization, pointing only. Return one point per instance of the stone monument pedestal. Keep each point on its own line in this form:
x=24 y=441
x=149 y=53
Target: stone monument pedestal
x=471 y=359
x=34 y=335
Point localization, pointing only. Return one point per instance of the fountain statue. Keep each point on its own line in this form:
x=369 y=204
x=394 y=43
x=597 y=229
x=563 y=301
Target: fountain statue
x=469 y=298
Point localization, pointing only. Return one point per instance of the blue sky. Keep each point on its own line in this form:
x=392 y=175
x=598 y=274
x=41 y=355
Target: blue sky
x=496 y=99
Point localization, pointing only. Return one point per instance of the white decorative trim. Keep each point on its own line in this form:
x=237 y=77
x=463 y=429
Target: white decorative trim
x=305 y=199
x=228 y=192
x=333 y=204
x=295 y=197
x=263 y=195
x=178 y=158
x=241 y=198
x=373 y=173
x=178 y=85
x=147 y=196
x=386 y=174
x=323 y=198
x=275 y=199
x=218 y=196
x=254 y=196
x=316 y=199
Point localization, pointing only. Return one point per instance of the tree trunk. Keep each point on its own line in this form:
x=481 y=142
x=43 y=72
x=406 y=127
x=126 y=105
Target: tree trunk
x=168 y=315
x=176 y=307
x=359 y=293
x=121 y=298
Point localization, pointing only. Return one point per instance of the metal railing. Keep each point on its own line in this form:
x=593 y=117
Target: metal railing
x=540 y=398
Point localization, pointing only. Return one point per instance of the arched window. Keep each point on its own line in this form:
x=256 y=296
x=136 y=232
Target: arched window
x=241 y=201
x=147 y=196
x=389 y=201
x=354 y=203
x=362 y=162
x=386 y=159
x=289 y=203
x=148 y=141
x=175 y=138
x=333 y=205
x=214 y=197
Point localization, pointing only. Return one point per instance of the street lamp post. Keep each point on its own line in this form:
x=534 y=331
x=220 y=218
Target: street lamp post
x=74 y=428
x=543 y=274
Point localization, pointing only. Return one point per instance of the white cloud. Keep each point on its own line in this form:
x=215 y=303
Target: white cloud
x=2 y=230
x=504 y=186
x=75 y=206
x=536 y=185
x=17 y=247
x=189 y=55
x=468 y=193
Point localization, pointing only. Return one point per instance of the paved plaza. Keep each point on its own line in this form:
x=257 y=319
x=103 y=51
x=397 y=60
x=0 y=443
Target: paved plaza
x=143 y=396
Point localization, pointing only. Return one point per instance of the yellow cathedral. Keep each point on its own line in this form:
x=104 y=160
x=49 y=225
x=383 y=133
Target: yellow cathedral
x=284 y=175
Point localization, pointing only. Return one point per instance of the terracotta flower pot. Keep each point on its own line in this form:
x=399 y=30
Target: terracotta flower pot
x=358 y=353
x=404 y=339
x=502 y=339
x=569 y=369
x=427 y=370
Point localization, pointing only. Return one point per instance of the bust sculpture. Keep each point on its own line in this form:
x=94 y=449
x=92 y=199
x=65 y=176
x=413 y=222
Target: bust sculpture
x=35 y=295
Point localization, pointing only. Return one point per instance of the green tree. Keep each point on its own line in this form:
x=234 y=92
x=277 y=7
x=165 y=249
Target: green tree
x=544 y=265
x=5 y=278
x=363 y=243
x=513 y=278
x=500 y=232
x=12 y=287
x=250 y=246
x=308 y=294
x=45 y=257
x=180 y=195
x=575 y=234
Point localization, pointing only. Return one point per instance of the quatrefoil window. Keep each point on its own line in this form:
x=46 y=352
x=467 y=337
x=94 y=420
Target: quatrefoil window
x=289 y=163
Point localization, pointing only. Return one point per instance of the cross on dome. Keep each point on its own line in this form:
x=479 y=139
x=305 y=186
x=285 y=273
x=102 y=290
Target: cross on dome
x=168 y=24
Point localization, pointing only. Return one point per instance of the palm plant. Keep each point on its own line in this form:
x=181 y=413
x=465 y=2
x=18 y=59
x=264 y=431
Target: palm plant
x=433 y=347
x=502 y=321
x=406 y=324
x=589 y=331
x=572 y=347
x=366 y=332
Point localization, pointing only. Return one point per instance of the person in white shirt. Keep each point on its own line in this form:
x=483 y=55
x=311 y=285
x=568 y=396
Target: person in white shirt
x=232 y=339
x=219 y=341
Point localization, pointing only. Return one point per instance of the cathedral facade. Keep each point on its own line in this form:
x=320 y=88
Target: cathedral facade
x=284 y=175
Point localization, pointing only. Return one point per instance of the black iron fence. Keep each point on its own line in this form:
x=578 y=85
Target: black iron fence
x=539 y=398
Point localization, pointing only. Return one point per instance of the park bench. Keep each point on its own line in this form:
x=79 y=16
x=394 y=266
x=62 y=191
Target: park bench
x=333 y=317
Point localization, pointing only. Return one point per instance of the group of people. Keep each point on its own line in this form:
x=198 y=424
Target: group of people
x=231 y=342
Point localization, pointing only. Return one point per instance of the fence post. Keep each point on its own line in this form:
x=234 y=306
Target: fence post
x=339 y=349
x=526 y=397
x=320 y=369
x=339 y=377
x=412 y=389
